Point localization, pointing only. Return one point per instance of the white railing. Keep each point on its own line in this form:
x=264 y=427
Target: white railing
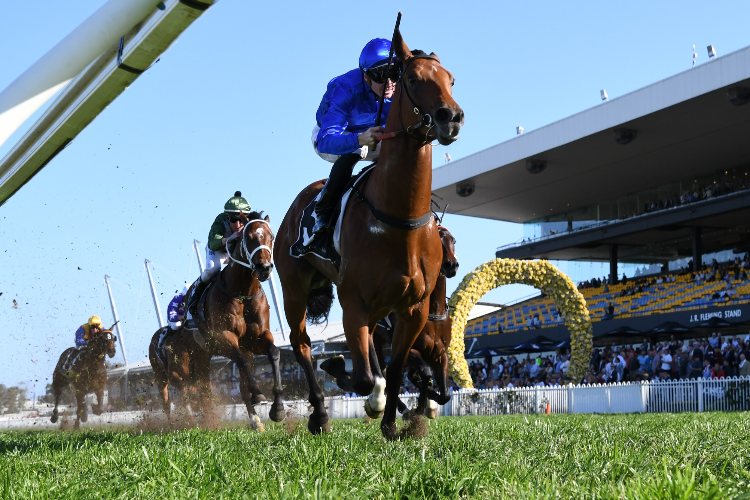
x=732 y=394
x=633 y=397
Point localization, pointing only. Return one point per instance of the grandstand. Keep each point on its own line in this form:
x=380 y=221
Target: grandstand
x=659 y=177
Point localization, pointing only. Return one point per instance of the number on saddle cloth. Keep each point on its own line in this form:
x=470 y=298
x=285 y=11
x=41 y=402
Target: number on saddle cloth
x=329 y=249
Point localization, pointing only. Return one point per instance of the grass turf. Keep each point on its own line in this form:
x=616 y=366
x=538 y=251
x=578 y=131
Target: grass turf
x=540 y=456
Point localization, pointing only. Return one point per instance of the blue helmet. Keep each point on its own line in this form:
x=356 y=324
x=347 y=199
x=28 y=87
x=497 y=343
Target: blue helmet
x=374 y=54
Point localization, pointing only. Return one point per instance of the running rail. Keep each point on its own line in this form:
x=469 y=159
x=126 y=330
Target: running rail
x=89 y=93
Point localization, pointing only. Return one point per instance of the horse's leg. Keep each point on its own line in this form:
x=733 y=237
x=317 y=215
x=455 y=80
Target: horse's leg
x=247 y=396
x=99 y=400
x=81 y=410
x=358 y=339
x=439 y=394
x=375 y=403
x=406 y=332
x=57 y=390
x=162 y=382
x=201 y=370
x=276 y=413
x=419 y=375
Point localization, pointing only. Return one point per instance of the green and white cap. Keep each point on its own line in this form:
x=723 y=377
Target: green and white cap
x=237 y=204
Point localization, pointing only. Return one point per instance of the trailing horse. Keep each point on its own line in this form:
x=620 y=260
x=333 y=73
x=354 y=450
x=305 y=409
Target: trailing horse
x=171 y=363
x=85 y=370
x=390 y=247
x=233 y=319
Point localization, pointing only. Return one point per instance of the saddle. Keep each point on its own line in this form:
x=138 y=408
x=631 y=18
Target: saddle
x=330 y=248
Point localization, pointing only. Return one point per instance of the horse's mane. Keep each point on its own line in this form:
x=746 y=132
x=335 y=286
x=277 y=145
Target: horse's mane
x=254 y=215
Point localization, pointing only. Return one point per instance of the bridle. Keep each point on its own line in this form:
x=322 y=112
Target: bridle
x=243 y=247
x=425 y=118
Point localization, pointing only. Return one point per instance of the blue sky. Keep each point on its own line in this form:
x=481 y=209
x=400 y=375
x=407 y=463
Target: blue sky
x=230 y=107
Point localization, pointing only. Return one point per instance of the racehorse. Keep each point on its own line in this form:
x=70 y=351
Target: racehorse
x=428 y=355
x=174 y=369
x=235 y=319
x=390 y=247
x=429 y=351
x=84 y=369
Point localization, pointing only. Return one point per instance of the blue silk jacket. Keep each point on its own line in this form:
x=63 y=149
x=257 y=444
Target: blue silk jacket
x=348 y=107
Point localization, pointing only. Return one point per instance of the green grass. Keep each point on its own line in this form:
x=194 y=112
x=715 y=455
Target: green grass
x=553 y=456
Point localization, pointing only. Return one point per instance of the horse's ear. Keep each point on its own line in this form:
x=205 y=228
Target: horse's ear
x=267 y=219
x=399 y=47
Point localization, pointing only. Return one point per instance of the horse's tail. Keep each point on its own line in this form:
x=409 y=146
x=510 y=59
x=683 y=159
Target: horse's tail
x=319 y=303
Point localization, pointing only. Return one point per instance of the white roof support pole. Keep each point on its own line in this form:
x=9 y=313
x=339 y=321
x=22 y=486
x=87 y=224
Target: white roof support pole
x=67 y=59
x=198 y=254
x=117 y=321
x=153 y=294
x=276 y=306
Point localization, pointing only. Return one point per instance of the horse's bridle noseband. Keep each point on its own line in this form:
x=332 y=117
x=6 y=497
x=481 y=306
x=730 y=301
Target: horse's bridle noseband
x=425 y=118
x=243 y=247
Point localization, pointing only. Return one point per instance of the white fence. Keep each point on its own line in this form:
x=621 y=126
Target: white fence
x=731 y=394
x=633 y=397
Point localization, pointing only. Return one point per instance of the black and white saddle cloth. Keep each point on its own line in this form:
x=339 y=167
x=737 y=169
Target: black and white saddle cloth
x=330 y=250
x=73 y=355
x=161 y=352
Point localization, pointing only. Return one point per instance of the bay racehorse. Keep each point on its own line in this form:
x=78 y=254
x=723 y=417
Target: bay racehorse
x=174 y=368
x=235 y=318
x=390 y=247
x=428 y=358
x=84 y=370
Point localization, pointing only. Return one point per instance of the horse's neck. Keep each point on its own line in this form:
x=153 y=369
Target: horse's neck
x=401 y=183
x=238 y=279
x=437 y=297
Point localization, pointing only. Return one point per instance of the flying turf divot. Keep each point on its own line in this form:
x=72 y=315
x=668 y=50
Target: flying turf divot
x=539 y=274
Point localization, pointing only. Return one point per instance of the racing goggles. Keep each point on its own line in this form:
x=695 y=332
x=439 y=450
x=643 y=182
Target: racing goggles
x=234 y=219
x=380 y=74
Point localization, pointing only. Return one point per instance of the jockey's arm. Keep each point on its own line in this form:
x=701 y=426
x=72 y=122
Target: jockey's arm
x=81 y=335
x=216 y=234
x=332 y=138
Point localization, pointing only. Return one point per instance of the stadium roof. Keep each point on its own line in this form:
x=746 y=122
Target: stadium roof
x=686 y=126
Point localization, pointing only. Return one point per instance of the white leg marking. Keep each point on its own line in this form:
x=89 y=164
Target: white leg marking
x=377 y=398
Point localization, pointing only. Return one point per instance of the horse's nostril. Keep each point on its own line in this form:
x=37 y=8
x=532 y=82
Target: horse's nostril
x=458 y=117
x=444 y=115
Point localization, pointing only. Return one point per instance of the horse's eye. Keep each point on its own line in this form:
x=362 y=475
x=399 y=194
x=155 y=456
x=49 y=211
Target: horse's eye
x=412 y=80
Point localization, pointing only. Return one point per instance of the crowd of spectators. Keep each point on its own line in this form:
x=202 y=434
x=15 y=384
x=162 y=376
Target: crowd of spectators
x=708 y=358
x=713 y=357
x=701 y=193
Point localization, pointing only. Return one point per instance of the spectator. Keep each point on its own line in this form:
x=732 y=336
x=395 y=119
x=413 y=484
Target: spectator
x=744 y=366
x=536 y=323
x=666 y=360
x=717 y=372
x=681 y=364
x=714 y=340
x=696 y=368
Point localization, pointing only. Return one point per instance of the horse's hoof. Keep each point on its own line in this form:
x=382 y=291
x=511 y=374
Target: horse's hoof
x=372 y=413
x=84 y=417
x=277 y=413
x=389 y=430
x=333 y=365
x=256 y=424
x=315 y=427
x=431 y=413
x=258 y=398
x=408 y=414
x=53 y=418
x=98 y=411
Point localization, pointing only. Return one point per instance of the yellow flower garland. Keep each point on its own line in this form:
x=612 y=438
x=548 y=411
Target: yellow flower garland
x=539 y=274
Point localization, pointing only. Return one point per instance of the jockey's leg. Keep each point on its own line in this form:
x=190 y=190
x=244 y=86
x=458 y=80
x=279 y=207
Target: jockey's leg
x=213 y=267
x=341 y=172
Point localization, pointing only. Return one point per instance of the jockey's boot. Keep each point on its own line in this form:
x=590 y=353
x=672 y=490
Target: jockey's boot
x=198 y=288
x=341 y=172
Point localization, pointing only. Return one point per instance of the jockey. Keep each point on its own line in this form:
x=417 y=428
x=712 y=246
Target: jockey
x=345 y=131
x=176 y=310
x=88 y=330
x=225 y=225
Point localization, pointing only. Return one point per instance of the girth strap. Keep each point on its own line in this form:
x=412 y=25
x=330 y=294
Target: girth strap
x=396 y=222
x=241 y=298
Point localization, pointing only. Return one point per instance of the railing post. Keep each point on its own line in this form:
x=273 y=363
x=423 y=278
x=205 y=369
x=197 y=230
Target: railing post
x=536 y=399
x=609 y=399
x=570 y=398
x=700 y=395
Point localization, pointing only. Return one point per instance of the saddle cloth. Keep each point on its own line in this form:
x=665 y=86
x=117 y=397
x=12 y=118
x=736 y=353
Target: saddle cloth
x=73 y=355
x=330 y=250
x=161 y=351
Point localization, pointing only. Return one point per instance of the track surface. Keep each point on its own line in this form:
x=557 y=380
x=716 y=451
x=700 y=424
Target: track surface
x=554 y=456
